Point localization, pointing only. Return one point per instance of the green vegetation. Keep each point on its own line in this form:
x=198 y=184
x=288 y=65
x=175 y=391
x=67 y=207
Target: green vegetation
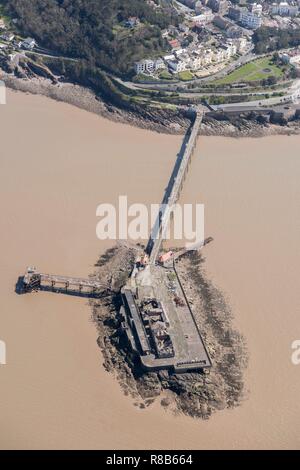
x=3 y=14
x=141 y=77
x=94 y=30
x=260 y=69
x=273 y=39
x=234 y=99
x=185 y=76
x=165 y=75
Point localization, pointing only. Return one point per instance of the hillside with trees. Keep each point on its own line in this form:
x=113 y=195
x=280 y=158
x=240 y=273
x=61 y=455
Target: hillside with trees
x=268 y=39
x=95 y=30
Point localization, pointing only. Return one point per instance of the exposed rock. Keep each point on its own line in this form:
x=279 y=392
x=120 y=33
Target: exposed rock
x=196 y=394
x=30 y=76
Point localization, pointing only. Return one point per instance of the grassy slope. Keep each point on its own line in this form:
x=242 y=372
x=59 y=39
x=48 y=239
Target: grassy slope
x=253 y=71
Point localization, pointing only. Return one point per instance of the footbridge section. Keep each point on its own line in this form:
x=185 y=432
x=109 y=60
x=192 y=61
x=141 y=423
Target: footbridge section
x=35 y=280
x=174 y=189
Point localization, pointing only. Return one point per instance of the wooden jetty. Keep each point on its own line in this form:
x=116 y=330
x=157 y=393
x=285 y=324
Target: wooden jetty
x=34 y=280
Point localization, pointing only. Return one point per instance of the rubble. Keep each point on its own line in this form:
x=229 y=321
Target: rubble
x=196 y=394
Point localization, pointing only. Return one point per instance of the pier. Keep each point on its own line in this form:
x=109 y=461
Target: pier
x=156 y=316
x=34 y=280
x=174 y=189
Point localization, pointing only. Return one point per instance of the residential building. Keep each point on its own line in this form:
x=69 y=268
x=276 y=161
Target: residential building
x=284 y=9
x=18 y=44
x=250 y=20
x=221 y=22
x=291 y=57
x=149 y=65
x=189 y=3
x=132 y=22
x=218 y=6
x=198 y=7
x=241 y=44
x=169 y=57
x=235 y=13
x=219 y=55
x=159 y=64
x=195 y=62
x=183 y=28
x=8 y=37
x=230 y=49
x=208 y=57
x=29 y=43
x=172 y=30
x=144 y=66
x=234 y=32
x=204 y=18
x=174 y=44
x=256 y=8
x=177 y=66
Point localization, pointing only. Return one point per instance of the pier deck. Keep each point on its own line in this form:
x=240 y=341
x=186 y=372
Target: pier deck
x=174 y=189
x=34 y=280
x=156 y=315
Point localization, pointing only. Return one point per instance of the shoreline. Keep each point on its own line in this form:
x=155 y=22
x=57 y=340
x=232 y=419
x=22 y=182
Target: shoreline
x=155 y=120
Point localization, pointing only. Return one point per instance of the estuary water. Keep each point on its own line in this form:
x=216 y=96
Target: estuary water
x=57 y=163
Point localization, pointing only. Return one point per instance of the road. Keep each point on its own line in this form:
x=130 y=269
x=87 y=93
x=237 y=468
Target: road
x=293 y=95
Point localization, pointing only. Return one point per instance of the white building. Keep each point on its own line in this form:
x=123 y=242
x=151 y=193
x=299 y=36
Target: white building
x=292 y=57
x=241 y=44
x=29 y=43
x=8 y=37
x=208 y=57
x=230 y=49
x=196 y=62
x=177 y=65
x=149 y=66
x=169 y=57
x=198 y=7
x=159 y=65
x=144 y=66
x=225 y=52
x=284 y=9
x=204 y=18
x=250 y=20
x=256 y=8
x=219 y=55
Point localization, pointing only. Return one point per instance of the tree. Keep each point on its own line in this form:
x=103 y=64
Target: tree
x=86 y=29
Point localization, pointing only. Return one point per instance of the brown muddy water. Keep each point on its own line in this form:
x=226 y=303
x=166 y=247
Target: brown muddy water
x=57 y=163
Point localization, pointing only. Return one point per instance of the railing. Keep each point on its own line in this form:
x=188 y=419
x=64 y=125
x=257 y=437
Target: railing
x=163 y=224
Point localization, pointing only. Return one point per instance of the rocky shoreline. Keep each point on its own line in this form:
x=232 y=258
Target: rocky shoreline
x=162 y=121
x=85 y=98
x=195 y=394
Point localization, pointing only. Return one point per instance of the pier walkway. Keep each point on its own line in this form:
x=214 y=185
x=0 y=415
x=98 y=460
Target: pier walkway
x=34 y=280
x=174 y=189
